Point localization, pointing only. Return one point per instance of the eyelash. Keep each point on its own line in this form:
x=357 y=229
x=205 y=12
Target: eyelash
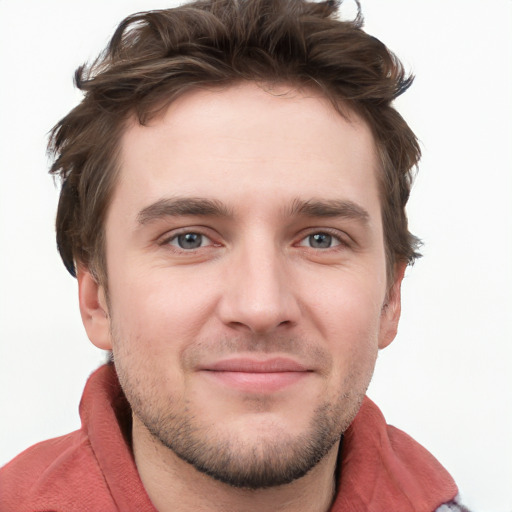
x=336 y=236
x=167 y=241
x=340 y=241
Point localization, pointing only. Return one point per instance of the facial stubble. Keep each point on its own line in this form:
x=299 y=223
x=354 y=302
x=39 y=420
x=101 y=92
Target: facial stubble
x=273 y=457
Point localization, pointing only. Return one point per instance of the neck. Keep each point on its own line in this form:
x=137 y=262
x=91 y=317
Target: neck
x=174 y=485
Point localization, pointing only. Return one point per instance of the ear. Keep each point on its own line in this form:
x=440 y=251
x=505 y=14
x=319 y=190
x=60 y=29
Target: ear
x=392 y=308
x=94 y=310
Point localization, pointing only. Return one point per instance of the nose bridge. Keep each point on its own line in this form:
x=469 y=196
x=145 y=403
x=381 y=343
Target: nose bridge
x=259 y=295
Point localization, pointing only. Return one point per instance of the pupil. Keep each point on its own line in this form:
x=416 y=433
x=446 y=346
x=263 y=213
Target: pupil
x=320 y=240
x=190 y=240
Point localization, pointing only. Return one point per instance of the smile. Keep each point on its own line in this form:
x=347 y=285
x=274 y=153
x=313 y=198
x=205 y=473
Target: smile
x=254 y=376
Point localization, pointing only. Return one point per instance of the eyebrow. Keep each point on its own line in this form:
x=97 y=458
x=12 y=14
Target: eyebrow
x=329 y=208
x=180 y=206
x=197 y=206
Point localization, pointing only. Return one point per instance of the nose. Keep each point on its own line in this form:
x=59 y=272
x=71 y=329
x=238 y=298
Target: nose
x=258 y=293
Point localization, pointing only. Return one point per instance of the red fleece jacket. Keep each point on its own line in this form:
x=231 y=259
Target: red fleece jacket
x=92 y=469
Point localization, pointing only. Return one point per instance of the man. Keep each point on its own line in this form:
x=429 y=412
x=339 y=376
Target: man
x=234 y=185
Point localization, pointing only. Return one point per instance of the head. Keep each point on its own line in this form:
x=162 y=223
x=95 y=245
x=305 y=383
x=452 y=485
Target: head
x=233 y=200
x=155 y=57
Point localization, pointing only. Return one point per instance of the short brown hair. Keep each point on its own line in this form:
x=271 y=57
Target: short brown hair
x=156 y=56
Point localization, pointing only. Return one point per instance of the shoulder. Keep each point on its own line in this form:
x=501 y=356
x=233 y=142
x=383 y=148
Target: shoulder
x=51 y=475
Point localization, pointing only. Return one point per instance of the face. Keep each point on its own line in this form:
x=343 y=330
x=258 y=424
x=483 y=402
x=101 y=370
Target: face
x=247 y=280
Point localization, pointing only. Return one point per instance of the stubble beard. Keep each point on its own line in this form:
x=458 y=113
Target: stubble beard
x=269 y=461
x=273 y=458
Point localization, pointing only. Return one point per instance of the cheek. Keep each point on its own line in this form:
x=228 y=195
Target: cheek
x=349 y=308
x=159 y=309
x=151 y=325
x=348 y=316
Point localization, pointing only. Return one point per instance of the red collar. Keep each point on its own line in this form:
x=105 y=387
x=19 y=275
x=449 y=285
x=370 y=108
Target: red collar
x=382 y=468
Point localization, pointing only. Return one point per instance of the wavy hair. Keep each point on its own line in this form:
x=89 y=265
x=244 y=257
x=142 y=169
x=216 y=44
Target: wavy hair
x=156 y=56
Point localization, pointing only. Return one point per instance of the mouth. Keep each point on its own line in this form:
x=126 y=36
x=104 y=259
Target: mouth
x=256 y=376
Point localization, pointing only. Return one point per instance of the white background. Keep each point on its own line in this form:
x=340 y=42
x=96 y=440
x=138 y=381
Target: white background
x=446 y=379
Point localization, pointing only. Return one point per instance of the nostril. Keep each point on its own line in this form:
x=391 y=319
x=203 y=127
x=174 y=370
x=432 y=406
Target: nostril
x=239 y=326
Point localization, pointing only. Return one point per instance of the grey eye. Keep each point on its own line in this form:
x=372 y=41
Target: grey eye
x=320 y=240
x=189 y=240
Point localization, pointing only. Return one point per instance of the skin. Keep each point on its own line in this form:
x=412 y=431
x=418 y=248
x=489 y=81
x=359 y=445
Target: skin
x=268 y=328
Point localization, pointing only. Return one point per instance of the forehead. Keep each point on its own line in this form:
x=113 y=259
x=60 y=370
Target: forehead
x=247 y=142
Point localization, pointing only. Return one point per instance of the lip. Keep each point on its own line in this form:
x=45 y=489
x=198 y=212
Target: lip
x=256 y=376
x=248 y=365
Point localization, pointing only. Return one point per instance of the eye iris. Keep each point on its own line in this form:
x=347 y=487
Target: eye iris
x=320 y=240
x=190 y=240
